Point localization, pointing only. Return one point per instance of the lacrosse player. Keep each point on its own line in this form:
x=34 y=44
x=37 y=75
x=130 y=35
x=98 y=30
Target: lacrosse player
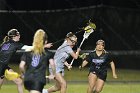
x=62 y=53
x=34 y=64
x=7 y=50
x=99 y=60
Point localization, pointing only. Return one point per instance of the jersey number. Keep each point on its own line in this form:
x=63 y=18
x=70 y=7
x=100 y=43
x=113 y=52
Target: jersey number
x=35 y=60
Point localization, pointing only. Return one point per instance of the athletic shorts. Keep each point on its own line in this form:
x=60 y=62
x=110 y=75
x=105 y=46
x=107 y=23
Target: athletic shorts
x=34 y=85
x=3 y=67
x=101 y=74
x=58 y=70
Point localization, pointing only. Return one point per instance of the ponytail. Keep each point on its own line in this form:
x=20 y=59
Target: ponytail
x=6 y=38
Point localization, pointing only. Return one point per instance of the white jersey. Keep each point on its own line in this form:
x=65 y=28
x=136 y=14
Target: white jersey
x=62 y=53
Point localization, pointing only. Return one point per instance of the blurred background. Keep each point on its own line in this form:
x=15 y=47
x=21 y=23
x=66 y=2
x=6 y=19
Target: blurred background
x=117 y=24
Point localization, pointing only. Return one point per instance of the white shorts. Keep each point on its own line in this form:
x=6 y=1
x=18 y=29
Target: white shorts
x=58 y=70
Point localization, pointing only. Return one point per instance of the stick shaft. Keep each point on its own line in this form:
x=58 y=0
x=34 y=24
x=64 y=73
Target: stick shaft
x=72 y=62
x=79 y=47
x=82 y=42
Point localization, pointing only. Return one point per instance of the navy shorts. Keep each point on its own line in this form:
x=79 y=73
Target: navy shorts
x=3 y=67
x=34 y=85
x=101 y=74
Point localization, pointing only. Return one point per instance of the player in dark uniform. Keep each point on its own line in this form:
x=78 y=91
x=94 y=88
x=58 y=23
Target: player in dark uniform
x=99 y=60
x=36 y=62
x=7 y=50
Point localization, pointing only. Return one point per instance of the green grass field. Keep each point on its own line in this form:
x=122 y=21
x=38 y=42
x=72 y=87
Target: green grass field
x=81 y=88
x=128 y=82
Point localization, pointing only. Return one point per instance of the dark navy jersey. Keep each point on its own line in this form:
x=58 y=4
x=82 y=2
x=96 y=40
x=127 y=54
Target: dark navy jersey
x=99 y=62
x=7 y=50
x=36 y=66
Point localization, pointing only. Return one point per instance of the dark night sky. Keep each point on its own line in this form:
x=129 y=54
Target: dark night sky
x=120 y=13
x=62 y=4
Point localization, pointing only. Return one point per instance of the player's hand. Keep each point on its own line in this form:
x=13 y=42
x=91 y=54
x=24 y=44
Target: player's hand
x=22 y=75
x=78 y=49
x=115 y=76
x=69 y=67
x=48 y=45
x=80 y=68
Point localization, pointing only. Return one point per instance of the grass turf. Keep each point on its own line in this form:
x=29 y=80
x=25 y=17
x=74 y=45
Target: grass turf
x=82 y=87
x=128 y=82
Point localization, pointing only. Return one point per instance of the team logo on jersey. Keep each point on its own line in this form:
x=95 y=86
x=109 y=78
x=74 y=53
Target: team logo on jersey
x=35 y=60
x=5 y=46
x=96 y=61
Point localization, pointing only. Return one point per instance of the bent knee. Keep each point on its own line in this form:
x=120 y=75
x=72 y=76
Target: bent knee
x=18 y=81
x=57 y=88
x=64 y=85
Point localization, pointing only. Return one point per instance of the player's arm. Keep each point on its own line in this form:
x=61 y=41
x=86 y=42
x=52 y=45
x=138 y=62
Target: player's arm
x=83 y=64
x=27 y=48
x=113 y=69
x=22 y=68
x=75 y=55
x=48 y=45
x=67 y=65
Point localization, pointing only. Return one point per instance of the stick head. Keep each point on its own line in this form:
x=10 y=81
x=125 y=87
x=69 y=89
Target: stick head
x=90 y=27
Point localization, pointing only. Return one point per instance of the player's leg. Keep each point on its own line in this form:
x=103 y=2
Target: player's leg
x=18 y=82
x=54 y=88
x=34 y=91
x=2 y=71
x=62 y=82
x=99 y=85
x=1 y=81
x=100 y=81
x=92 y=81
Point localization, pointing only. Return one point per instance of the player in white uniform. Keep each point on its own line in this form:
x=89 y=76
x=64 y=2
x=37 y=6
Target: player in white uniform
x=62 y=53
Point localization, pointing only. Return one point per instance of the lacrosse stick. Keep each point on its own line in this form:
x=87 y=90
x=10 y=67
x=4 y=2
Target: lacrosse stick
x=90 y=28
x=87 y=29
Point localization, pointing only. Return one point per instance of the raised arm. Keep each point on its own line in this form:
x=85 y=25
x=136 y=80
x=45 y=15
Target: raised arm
x=75 y=55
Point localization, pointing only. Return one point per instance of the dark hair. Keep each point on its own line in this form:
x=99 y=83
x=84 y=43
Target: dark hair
x=12 y=33
x=45 y=38
x=100 y=40
x=70 y=34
